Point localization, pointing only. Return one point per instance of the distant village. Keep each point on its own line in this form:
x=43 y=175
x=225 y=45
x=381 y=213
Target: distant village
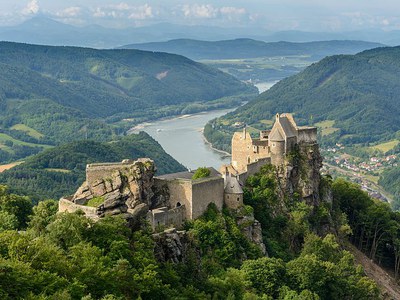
x=364 y=171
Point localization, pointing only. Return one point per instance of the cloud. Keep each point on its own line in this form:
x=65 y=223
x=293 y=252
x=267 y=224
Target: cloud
x=124 y=11
x=208 y=11
x=69 y=12
x=229 y=10
x=142 y=12
x=31 y=8
x=204 y=11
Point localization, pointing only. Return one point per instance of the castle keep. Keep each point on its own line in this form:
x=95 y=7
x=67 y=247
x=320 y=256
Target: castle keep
x=272 y=145
x=130 y=188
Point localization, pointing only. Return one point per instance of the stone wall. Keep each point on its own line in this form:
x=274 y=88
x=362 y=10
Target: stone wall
x=307 y=135
x=233 y=201
x=95 y=172
x=277 y=153
x=204 y=192
x=66 y=205
x=255 y=167
x=164 y=217
x=241 y=147
x=180 y=193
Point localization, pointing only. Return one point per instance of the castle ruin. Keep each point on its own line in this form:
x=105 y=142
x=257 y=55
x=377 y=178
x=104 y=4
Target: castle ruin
x=130 y=188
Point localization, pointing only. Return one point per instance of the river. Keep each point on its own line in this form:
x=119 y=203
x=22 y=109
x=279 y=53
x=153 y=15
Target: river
x=182 y=137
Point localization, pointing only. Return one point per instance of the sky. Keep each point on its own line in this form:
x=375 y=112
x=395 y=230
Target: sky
x=273 y=15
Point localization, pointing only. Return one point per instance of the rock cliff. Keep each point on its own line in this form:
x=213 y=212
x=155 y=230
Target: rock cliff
x=124 y=189
x=300 y=173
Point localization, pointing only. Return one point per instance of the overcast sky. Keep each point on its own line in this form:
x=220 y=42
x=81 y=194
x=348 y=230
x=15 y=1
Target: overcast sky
x=274 y=15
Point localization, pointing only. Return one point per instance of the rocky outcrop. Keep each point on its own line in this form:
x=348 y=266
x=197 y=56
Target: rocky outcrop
x=301 y=173
x=171 y=245
x=125 y=188
x=252 y=230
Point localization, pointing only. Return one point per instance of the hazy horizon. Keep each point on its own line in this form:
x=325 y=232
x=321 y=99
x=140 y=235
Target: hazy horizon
x=303 y=15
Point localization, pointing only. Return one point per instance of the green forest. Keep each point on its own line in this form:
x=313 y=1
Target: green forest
x=360 y=93
x=44 y=255
x=59 y=171
x=54 y=95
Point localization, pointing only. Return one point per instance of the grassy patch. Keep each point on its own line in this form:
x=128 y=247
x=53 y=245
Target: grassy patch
x=94 y=202
x=327 y=127
x=385 y=147
x=58 y=170
x=5 y=137
x=30 y=131
x=267 y=122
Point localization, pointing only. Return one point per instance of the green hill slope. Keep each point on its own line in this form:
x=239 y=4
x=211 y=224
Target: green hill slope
x=358 y=94
x=60 y=170
x=68 y=93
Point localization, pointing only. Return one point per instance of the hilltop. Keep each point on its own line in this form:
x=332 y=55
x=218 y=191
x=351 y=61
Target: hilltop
x=250 y=48
x=356 y=96
x=59 y=171
x=52 y=95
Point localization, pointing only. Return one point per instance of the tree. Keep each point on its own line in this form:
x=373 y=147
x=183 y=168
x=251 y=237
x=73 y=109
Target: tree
x=202 y=172
x=266 y=275
x=43 y=214
x=19 y=206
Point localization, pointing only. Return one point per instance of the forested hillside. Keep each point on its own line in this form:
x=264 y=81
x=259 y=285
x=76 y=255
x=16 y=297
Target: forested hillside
x=51 y=95
x=61 y=170
x=249 y=48
x=358 y=94
x=67 y=256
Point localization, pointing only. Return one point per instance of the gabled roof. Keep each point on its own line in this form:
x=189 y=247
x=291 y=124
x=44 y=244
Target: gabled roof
x=287 y=127
x=283 y=128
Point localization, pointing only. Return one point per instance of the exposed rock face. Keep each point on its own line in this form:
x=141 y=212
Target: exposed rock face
x=171 y=245
x=126 y=190
x=300 y=173
x=251 y=228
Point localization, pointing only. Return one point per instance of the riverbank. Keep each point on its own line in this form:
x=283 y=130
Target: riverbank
x=227 y=154
x=182 y=137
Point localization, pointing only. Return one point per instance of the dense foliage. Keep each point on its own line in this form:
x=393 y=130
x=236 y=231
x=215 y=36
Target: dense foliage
x=390 y=180
x=67 y=256
x=360 y=93
x=375 y=227
x=60 y=171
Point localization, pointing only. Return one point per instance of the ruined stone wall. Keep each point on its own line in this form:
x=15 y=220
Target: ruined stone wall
x=241 y=147
x=180 y=193
x=206 y=191
x=255 y=167
x=66 y=205
x=307 y=135
x=246 y=150
x=164 y=217
x=95 y=172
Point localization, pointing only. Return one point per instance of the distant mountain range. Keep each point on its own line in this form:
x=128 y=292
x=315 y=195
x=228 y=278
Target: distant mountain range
x=249 y=48
x=356 y=96
x=43 y=30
